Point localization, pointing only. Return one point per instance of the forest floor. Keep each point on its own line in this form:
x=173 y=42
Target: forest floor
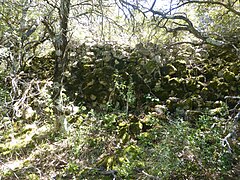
x=116 y=146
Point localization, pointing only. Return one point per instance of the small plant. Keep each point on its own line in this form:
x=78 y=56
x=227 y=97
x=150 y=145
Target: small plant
x=123 y=92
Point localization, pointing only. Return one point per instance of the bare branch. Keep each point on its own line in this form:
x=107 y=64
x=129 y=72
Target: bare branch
x=184 y=42
x=227 y=6
x=153 y=4
x=84 y=3
x=52 y=5
x=187 y=25
x=49 y=28
x=209 y=2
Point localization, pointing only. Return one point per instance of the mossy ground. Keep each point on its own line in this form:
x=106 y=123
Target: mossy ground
x=116 y=145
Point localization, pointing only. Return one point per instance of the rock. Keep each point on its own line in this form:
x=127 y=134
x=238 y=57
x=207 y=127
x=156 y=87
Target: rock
x=218 y=104
x=160 y=110
x=169 y=69
x=229 y=76
x=219 y=111
x=172 y=103
x=192 y=115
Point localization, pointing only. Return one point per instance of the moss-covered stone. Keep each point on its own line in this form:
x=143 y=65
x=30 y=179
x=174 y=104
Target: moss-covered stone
x=92 y=71
x=169 y=69
x=192 y=115
x=228 y=76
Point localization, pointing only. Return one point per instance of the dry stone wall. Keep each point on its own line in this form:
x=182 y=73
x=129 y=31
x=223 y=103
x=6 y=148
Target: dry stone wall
x=101 y=74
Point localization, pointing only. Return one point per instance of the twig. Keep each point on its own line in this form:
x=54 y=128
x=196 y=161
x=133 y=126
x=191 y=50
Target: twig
x=110 y=172
x=150 y=176
x=226 y=143
x=231 y=134
x=232 y=97
x=105 y=172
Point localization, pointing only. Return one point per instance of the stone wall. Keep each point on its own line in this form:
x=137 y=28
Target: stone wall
x=96 y=73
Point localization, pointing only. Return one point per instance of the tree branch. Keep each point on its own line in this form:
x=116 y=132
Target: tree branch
x=227 y=6
x=187 y=25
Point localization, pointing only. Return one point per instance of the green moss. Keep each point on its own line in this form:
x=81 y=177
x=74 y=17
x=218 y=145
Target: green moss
x=228 y=76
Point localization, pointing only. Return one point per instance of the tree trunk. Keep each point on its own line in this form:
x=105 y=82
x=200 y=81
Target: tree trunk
x=61 y=43
x=61 y=59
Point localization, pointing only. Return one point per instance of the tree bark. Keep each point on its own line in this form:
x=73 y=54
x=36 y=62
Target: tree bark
x=60 y=42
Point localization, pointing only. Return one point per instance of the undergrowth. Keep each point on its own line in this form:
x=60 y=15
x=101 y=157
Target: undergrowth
x=113 y=144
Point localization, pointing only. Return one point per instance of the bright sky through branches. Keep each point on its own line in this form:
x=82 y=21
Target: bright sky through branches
x=160 y=4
